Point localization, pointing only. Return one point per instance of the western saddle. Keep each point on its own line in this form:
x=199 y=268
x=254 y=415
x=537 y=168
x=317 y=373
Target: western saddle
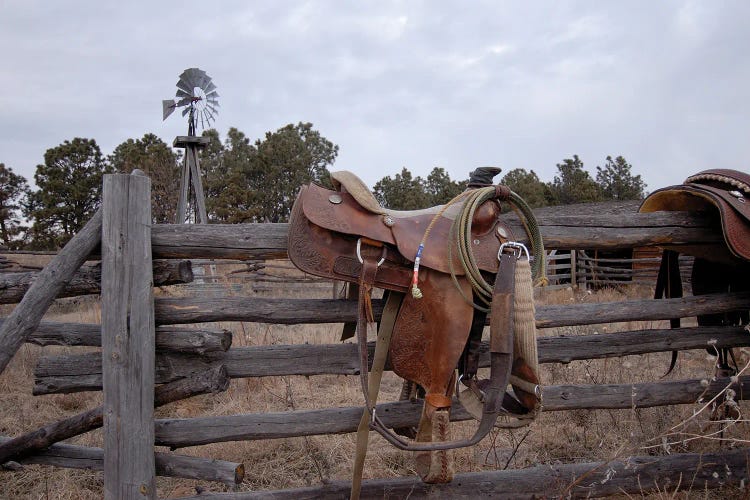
x=724 y=196
x=442 y=270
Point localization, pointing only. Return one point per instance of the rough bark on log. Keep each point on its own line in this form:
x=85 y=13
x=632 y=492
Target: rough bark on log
x=168 y=338
x=74 y=373
x=178 y=433
x=210 y=381
x=562 y=230
x=638 y=475
x=297 y=311
x=51 y=280
x=87 y=280
x=167 y=464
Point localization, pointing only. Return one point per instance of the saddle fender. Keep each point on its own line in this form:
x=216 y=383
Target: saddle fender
x=430 y=334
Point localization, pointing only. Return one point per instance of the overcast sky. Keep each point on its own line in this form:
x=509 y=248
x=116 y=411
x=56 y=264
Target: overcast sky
x=414 y=84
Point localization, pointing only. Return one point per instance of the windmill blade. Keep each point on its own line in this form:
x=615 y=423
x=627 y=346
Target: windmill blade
x=182 y=93
x=209 y=115
x=187 y=81
x=212 y=94
x=193 y=77
x=184 y=101
x=187 y=75
x=210 y=87
x=212 y=109
x=184 y=86
x=167 y=107
x=185 y=111
x=203 y=80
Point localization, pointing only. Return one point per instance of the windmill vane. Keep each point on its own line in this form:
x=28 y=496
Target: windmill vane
x=197 y=94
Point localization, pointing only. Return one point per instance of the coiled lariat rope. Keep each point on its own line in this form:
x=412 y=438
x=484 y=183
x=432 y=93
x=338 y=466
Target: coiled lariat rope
x=460 y=234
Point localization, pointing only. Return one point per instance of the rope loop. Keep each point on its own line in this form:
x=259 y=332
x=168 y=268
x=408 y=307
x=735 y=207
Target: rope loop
x=461 y=234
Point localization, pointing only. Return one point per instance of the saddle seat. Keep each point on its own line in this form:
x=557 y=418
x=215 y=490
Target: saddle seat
x=354 y=211
x=722 y=192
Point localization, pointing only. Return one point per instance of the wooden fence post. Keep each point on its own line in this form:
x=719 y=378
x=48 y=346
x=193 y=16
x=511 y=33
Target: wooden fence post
x=128 y=352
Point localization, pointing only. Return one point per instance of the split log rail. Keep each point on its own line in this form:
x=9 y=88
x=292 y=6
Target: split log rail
x=150 y=333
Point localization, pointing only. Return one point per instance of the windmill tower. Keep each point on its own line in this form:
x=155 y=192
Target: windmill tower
x=197 y=94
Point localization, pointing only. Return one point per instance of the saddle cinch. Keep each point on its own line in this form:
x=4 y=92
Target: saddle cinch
x=436 y=267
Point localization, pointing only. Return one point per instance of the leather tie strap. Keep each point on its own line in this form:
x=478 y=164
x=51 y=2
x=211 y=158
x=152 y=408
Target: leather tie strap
x=388 y=319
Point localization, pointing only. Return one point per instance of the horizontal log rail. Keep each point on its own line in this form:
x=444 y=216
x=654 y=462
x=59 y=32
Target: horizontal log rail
x=269 y=241
x=638 y=475
x=315 y=311
x=80 y=372
x=87 y=280
x=178 y=433
x=186 y=310
x=168 y=338
x=167 y=464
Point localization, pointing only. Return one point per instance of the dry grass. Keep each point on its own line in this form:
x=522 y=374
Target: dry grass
x=554 y=438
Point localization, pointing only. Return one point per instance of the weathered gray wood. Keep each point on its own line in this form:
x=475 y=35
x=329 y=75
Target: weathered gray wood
x=54 y=277
x=55 y=374
x=182 y=141
x=219 y=241
x=128 y=337
x=566 y=230
x=200 y=199
x=195 y=341
x=168 y=338
x=178 y=433
x=73 y=373
x=87 y=280
x=167 y=464
x=638 y=475
x=297 y=311
x=209 y=381
x=639 y=310
x=182 y=199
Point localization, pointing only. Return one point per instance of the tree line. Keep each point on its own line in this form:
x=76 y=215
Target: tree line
x=248 y=181
x=572 y=184
x=243 y=181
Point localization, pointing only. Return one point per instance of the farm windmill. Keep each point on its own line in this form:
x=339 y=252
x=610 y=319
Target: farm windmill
x=197 y=94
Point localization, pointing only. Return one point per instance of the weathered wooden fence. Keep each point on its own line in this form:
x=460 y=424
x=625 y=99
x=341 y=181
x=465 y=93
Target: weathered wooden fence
x=586 y=270
x=143 y=344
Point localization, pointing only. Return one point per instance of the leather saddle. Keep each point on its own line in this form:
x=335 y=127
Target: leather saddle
x=724 y=196
x=345 y=234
